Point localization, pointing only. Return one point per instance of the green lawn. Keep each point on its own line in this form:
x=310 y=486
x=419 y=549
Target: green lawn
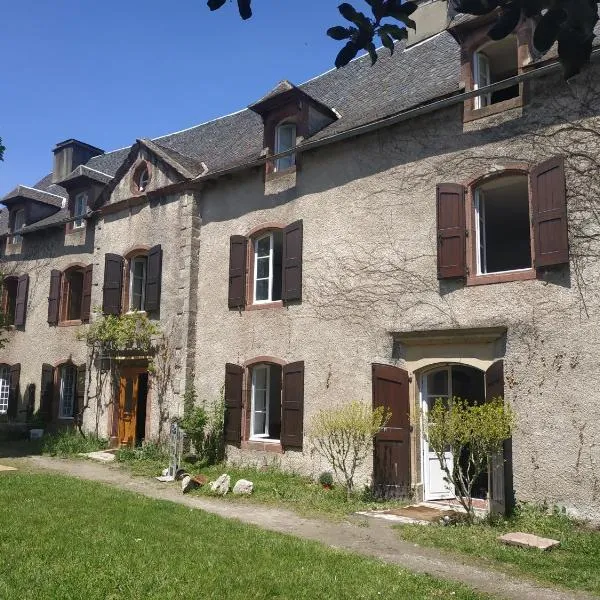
x=67 y=539
x=575 y=564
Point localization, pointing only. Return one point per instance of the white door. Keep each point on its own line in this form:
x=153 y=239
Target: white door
x=435 y=384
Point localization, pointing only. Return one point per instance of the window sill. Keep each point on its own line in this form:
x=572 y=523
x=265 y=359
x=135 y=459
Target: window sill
x=472 y=114
x=525 y=275
x=277 y=174
x=263 y=446
x=71 y=323
x=275 y=304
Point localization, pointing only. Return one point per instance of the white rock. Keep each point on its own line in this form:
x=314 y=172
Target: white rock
x=221 y=485
x=243 y=486
x=187 y=484
x=528 y=540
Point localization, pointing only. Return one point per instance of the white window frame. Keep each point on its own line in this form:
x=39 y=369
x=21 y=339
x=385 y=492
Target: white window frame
x=16 y=237
x=144 y=261
x=79 y=210
x=4 y=389
x=285 y=162
x=143 y=179
x=67 y=392
x=270 y=276
x=481 y=78
x=255 y=369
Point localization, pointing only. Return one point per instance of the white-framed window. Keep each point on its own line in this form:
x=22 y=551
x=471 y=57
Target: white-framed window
x=481 y=78
x=80 y=209
x=285 y=139
x=268 y=250
x=502 y=225
x=137 y=282
x=18 y=224
x=4 y=388
x=68 y=377
x=259 y=421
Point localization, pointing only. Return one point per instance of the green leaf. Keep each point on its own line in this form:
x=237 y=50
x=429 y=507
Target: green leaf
x=346 y=54
x=215 y=4
x=372 y=52
x=339 y=32
x=245 y=9
x=387 y=41
x=398 y=33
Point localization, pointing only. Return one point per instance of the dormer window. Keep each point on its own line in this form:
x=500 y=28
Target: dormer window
x=18 y=224
x=79 y=210
x=285 y=139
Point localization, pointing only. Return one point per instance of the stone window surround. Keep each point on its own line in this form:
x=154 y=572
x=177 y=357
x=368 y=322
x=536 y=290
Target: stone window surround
x=471 y=249
x=133 y=252
x=294 y=113
x=246 y=443
x=470 y=41
x=136 y=171
x=64 y=294
x=70 y=227
x=56 y=389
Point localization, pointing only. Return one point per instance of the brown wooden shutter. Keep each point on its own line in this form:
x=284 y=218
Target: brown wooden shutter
x=86 y=299
x=234 y=375
x=549 y=213
x=21 y=302
x=54 y=297
x=13 y=390
x=292 y=262
x=292 y=405
x=153 y=279
x=113 y=284
x=391 y=456
x=47 y=391
x=451 y=231
x=79 y=396
x=237 y=271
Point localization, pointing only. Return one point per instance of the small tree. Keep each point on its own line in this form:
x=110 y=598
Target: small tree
x=472 y=433
x=344 y=437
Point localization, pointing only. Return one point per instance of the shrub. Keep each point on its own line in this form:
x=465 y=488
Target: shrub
x=194 y=425
x=70 y=442
x=214 y=441
x=326 y=479
x=344 y=437
x=148 y=451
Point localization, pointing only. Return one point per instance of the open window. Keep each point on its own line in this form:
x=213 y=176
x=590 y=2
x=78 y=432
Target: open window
x=72 y=294
x=9 y=299
x=267 y=267
x=79 y=210
x=18 y=222
x=285 y=139
x=138 y=266
x=502 y=225
x=265 y=414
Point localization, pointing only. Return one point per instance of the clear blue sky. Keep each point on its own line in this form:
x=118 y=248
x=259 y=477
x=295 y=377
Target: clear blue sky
x=111 y=71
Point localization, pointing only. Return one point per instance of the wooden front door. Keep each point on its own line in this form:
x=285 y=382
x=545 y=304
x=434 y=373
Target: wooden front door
x=129 y=397
x=391 y=459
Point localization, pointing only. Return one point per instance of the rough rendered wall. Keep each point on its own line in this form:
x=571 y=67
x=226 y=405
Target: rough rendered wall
x=368 y=207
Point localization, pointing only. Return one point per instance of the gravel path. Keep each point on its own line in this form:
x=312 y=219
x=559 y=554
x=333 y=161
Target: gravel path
x=377 y=540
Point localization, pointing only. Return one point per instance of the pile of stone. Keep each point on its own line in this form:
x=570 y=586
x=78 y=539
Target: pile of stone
x=220 y=486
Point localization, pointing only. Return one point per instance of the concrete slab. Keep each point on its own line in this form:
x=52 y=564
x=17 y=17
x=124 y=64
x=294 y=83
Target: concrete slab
x=5 y=468
x=101 y=456
x=528 y=540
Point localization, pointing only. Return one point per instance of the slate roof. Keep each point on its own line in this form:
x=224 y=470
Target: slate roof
x=85 y=171
x=37 y=194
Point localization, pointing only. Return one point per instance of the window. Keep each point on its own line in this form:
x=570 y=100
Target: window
x=80 y=209
x=18 y=224
x=267 y=267
x=265 y=418
x=502 y=226
x=72 y=294
x=4 y=388
x=285 y=139
x=495 y=62
x=66 y=405
x=9 y=299
x=142 y=177
x=137 y=282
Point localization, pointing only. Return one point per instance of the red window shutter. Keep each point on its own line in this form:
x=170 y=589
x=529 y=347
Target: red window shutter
x=451 y=231
x=47 y=391
x=21 y=302
x=54 y=296
x=13 y=390
x=113 y=284
x=234 y=375
x=153 y=279
x=292 y=405
x=86 y=299
x=79 y=404
x=292 y=262
x=549 y=213
x=391 y=457
x=237 y=271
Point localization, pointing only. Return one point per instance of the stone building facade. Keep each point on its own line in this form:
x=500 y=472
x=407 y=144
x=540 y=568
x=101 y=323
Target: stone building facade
x=380 y=234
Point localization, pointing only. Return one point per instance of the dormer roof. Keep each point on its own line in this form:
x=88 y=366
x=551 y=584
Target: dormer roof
x=84 y=174
x=23 y=192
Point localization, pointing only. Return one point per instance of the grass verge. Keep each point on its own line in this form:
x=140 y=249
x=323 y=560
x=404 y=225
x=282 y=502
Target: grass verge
x=574 y=564
x=67 y=538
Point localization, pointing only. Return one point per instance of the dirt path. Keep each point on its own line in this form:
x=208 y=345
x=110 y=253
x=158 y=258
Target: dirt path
x=377 y=540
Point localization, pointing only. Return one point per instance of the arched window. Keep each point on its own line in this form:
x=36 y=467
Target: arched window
x=285 y=139
x=72 y=294
x=267 y=266
x=9 y=299
x=80 y=209
x=265 y=404
x=141 y=177
x=502 y=225
x=4 y=388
